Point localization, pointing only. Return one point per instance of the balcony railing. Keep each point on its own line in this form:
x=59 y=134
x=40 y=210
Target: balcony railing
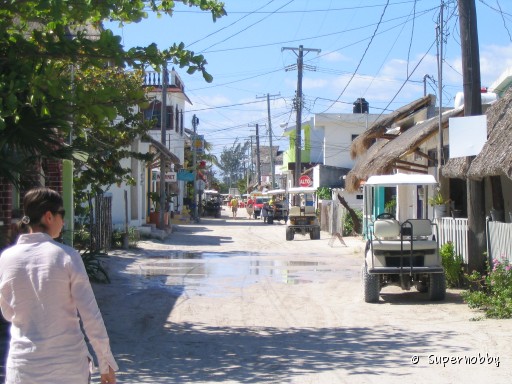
x=155 y=79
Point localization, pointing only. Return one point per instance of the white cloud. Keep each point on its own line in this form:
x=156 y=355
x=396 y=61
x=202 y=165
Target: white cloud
x=309 y=83
x=334 y=57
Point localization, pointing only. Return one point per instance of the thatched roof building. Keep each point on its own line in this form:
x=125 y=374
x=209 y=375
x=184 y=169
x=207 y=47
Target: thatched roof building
x=385 y=156
x=379 y=128
x=496 y=155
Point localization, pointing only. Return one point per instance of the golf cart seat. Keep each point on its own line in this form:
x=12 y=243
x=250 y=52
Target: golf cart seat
x=294 y=211
x=415 y=234
x=386 y=229
x=309 y=210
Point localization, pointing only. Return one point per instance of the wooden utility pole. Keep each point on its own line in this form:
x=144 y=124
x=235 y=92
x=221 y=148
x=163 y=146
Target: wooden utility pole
x=195 y=123
x=258 y=159
x=472 y=107
x=163 y=132
x=440 y=150
x=272 y=166
x=298 y=119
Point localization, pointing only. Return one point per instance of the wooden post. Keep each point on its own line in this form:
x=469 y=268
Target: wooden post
x=472 y=107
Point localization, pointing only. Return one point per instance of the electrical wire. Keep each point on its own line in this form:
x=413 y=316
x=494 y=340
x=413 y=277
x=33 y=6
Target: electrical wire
x=302 y=39
x=245 y=29
x=364 y=54
x=230 y=25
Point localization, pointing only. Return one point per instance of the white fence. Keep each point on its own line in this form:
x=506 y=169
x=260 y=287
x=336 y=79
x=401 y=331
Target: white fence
x=456 y=232
x=499 y=240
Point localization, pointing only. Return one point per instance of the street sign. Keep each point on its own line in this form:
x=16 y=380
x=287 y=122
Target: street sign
x=169 y=176
x=199 y=143
x=305 y=181
x=185 y=175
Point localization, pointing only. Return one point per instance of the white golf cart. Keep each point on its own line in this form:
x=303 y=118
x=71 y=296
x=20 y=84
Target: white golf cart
x=302 y=216
x=401 y=250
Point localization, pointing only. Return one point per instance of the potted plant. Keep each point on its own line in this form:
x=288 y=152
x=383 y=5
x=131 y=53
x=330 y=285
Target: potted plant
x=390 y=206
x=439 y=204
x=154 y=215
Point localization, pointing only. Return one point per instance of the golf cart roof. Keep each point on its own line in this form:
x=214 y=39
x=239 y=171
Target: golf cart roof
x=275 y=192
x=295 y=190
x=211 y=192
x=401 y=179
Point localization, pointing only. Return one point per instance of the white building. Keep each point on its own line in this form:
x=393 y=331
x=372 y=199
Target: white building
x=339 y=130
x=147 y=176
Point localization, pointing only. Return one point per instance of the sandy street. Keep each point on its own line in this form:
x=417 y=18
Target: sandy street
x=231 y=301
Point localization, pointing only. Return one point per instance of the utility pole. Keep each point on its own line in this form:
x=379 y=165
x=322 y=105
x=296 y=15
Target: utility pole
x=272 y=166
x=298 y=124
x=247 y=172
x=195 y=123
x=251 y=163
x=258 y=161
x=440 y=145
x=163 y=126
x=472 y=107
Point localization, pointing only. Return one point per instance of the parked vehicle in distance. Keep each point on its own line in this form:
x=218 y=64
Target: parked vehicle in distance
x=403 y=253
x=302 y=216
x=259 y=200
x=212 y=203
x=280 y=208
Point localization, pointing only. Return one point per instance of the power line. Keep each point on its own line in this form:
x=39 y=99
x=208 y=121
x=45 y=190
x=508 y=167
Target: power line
x=245 y=29
x=422 y=13
x=364 y=54
x=227 y=26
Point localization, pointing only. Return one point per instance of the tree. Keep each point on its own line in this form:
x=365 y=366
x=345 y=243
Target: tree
x=232 y=162
x=56 y=94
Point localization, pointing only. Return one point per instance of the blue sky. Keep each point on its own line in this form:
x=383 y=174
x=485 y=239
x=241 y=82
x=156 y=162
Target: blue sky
x=369 y=48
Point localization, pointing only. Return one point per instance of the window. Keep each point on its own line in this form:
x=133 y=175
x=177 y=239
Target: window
x=155 y=112
x=432 y=156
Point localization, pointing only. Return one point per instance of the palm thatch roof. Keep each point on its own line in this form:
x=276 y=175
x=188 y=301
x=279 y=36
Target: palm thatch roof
x=456 y=168
x=496 y=155
x=379 y=128
x=385 y=156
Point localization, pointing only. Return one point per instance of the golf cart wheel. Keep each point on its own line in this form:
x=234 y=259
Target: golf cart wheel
x=437 y=287
x=371 y=286
x=315 y=234
x=289 y=234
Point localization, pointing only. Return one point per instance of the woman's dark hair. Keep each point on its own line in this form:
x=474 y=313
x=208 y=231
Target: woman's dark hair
x=37 y=202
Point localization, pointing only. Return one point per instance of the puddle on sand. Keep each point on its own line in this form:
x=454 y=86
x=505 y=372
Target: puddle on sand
x=221 y=274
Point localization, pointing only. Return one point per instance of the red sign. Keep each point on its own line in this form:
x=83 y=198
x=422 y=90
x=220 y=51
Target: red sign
x=305 y=181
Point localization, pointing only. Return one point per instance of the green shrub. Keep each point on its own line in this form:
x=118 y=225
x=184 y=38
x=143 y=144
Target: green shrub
x=81 y=238
x=324 y=193
x=452 y=264
x=492 y=292
x=94 y=266
x=133 y=238
x=348 y=223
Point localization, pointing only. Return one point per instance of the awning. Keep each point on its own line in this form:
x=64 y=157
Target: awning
x=164 y=151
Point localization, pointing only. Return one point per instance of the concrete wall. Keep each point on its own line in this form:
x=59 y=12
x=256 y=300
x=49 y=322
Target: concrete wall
x=338 y=130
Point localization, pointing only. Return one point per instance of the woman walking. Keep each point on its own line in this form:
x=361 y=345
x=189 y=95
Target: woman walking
x=44 y=293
